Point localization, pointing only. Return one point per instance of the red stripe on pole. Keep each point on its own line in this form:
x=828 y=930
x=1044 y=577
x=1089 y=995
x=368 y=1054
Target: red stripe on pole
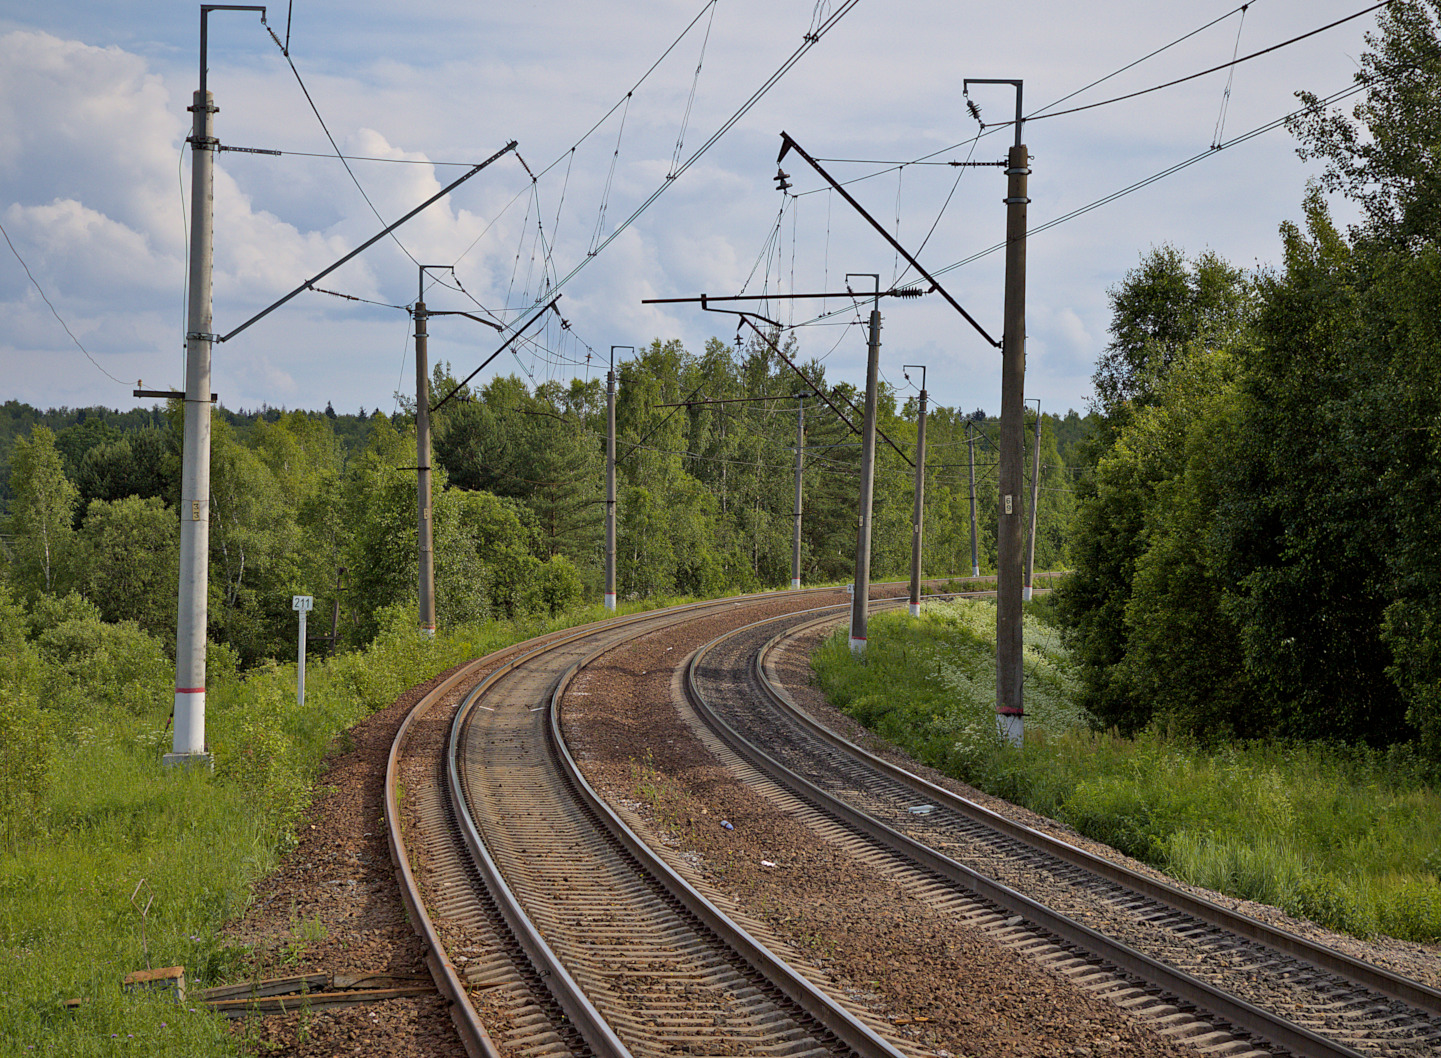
x=189 y=690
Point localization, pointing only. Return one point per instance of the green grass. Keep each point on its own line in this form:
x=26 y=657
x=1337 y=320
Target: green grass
x=1346 y=837
x=111 y=818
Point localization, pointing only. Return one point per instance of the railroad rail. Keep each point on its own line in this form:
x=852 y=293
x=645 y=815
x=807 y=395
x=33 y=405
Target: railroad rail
x=556 y=930
x=1209 y=976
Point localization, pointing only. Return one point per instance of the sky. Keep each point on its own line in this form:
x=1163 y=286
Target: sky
x=94 y=180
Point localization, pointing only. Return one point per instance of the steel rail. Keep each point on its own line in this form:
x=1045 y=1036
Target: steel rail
x=845 y=1026
x=563 y=988
x=1238 y=1012
x=468 y=1026
x=472 y=1032
x=567 y=993
x=1321 y=956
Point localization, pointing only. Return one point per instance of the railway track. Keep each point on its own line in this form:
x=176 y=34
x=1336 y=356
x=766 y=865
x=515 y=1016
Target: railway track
x=554 y=929
x=1222 y=981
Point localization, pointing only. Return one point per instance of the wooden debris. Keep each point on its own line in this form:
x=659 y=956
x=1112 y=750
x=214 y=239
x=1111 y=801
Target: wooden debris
x=164 y=979
x=285 y=995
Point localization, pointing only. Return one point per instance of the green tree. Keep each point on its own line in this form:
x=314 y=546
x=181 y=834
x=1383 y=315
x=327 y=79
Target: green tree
x=1165 y=313
x=1164 y=306
x=1383 y=157
x=131 y=562
x=136 y=464
x=42 y=509
x=1183 y=665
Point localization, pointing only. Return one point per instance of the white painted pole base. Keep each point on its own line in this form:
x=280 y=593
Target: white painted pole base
x=1012 y=729
x=610 y=601
x=858 y=646
x=189 y=743
x=1026 y=593
x=915 y=609
x=795 y=583
x=975 y=571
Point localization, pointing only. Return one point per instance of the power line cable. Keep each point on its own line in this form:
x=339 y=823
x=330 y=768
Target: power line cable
x=40 y=290
x=1154 y=177
x=1191 y=77
x=285 y=51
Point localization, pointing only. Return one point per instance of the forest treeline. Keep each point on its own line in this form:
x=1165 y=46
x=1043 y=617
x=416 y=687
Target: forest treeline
x=1257 y=551
x=705 y=498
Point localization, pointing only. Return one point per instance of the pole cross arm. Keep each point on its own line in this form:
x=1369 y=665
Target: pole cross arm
x=447 y=189
x=745 y=318
x=503 y=347
x=788 y=145
x=467 y=315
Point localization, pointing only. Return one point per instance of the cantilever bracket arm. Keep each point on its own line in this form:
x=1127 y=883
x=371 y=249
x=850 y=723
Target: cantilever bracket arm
x=468 y=315
x=788 y=144
x=447 y=189
x=746 y=319
x=503 y=347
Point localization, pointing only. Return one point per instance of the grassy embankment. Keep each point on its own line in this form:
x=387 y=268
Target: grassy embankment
x=109 y=819
x=1348 y=837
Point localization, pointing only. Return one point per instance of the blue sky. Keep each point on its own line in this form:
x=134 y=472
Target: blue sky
x=93 y=171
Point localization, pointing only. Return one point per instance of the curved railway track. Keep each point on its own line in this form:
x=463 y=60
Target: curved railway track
x=577 y=939
x=1194 y=969
x=552 y=928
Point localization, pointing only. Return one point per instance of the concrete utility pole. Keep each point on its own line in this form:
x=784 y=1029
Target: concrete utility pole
x=424 y=532
x=610 y=479
x=800 y=466
x=868 y=471
x=975 y=554
x=188 y=744
x=918 y=512
x=1010 y=702
x=1035 y=506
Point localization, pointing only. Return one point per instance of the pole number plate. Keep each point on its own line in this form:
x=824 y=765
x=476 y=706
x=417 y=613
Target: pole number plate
x=302 y=602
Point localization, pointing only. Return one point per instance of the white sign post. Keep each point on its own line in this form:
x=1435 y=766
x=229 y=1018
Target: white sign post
x=303 y=604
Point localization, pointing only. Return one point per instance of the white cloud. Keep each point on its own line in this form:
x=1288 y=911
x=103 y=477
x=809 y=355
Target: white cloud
x=92 y=124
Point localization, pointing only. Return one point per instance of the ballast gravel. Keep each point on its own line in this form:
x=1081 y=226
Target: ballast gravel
x=332 y=903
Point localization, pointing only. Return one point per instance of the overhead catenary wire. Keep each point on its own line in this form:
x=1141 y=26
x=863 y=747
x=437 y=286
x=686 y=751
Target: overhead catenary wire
x=48 y=304
x=1210 y=152
x=285 y=51
x=690 y=101
x=810 y=40
x=927 y=159
x=1214 y=69
x=1230 y=81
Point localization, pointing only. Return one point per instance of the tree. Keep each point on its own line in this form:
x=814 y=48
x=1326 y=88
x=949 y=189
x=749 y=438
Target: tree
x=1165 y=313
x=1164 y=306
x=42 y=509
x=136 y=464
x=131 y=562
x=1384 y=156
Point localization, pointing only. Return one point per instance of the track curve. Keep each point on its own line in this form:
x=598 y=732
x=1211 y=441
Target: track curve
x=1196 y=954
x=578 y=947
